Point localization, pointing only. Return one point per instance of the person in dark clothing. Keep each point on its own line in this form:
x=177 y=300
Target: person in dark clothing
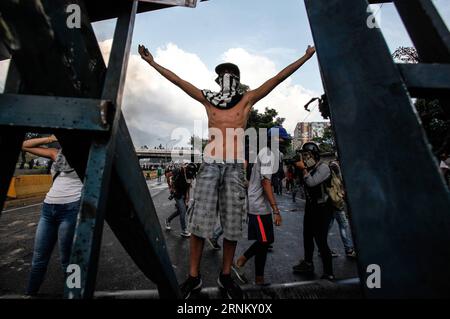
x=181 y=184
x=290 y=179
x=275 y=183
x=318 y=211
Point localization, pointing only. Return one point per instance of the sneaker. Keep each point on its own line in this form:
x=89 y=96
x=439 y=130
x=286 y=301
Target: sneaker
x=191 y=285
x=270 y=248
x=167 y=224
x=351 y=253
x=214 y=244
x=304 y=267
x=229 y=288
x=240 y=273
x=328 y=277
x=185 y=234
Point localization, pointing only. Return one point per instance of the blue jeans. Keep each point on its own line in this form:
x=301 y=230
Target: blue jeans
x=344 y=229
x=181 y=210
x=57 y=222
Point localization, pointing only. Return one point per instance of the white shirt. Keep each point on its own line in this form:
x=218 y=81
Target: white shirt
x=66 y=189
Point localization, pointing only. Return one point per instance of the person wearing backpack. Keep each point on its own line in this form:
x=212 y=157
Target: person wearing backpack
x=318 y=211
x=337 y=195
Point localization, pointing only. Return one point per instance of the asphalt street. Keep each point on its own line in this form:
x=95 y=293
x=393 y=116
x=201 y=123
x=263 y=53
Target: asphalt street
x=118 y=272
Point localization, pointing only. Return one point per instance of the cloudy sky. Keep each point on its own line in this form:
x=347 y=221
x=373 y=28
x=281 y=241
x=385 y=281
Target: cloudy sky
x=258 y=35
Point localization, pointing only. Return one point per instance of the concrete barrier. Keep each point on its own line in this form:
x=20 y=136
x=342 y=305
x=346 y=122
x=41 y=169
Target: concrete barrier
x=24 y=186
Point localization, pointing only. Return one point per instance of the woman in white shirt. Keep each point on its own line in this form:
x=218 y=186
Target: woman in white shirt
x=59 y=212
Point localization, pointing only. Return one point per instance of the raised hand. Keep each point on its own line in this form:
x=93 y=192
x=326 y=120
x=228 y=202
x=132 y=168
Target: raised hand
x=144 y=53
x=310 y=51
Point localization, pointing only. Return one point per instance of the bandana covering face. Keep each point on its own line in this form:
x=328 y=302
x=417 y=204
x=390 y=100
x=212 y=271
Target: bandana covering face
x=229 y=95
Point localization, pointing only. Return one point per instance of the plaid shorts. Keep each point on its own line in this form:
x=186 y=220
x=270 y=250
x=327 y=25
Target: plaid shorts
x=220 y=192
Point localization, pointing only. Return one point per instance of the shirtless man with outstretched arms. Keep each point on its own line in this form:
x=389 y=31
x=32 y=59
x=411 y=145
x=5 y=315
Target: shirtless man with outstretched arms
x=220 y=187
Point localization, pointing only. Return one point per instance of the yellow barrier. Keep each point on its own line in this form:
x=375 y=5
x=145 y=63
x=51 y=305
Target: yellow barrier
x=150 y=174
x=29 y=185
x=12 y=190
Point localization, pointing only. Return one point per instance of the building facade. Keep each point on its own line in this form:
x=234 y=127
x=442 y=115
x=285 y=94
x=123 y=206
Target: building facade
x=306 y=131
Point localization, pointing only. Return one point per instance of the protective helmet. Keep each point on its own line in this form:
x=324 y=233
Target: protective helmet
x=312 y=148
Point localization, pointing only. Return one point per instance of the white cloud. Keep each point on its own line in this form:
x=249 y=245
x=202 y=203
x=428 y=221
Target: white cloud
x=288 y=98
x=4 y=65
x=154 y=107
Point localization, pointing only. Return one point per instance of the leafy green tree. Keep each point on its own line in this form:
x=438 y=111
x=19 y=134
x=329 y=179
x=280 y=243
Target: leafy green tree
x=326 y=142
x=264 y=120
x=435 y=121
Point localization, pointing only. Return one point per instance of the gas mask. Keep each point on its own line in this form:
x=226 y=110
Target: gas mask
x=309 y=160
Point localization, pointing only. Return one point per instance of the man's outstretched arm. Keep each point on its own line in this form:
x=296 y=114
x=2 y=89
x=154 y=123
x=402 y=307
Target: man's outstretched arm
x=268 y=86
x=187 y=87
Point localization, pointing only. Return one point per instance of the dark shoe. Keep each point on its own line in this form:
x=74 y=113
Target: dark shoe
x=229 y=288
x=351 y=253
x=190 y=286
x=328 y=277
x=240 y=273
x=214 y=244
x=304 y=267
x=270 y=248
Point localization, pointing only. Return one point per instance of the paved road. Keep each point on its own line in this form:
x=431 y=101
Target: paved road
x=118 y=272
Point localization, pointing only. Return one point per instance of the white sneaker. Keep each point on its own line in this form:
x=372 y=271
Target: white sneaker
x=185 y=234
x=167 y=224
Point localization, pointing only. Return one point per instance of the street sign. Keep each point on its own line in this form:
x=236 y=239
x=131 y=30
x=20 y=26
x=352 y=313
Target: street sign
x=183 y=3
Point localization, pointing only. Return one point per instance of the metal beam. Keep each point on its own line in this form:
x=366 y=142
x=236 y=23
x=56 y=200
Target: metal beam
x=55 y=60
x=32 y=112
x=138 y=228
x=429 y=34
x=397 y=197
x=4 y=53
x=426 y=80
x=426 y=28
x=10 y=139
x=88 y=233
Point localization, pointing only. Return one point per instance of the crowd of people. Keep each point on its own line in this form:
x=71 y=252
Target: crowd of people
x=232 y=195
x=230 y=191
x=306 y=172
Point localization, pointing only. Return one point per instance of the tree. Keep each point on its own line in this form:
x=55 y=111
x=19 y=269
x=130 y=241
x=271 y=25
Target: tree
x=435 y=121
x=406 y=55
x=267 y=119
x=326 y=142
